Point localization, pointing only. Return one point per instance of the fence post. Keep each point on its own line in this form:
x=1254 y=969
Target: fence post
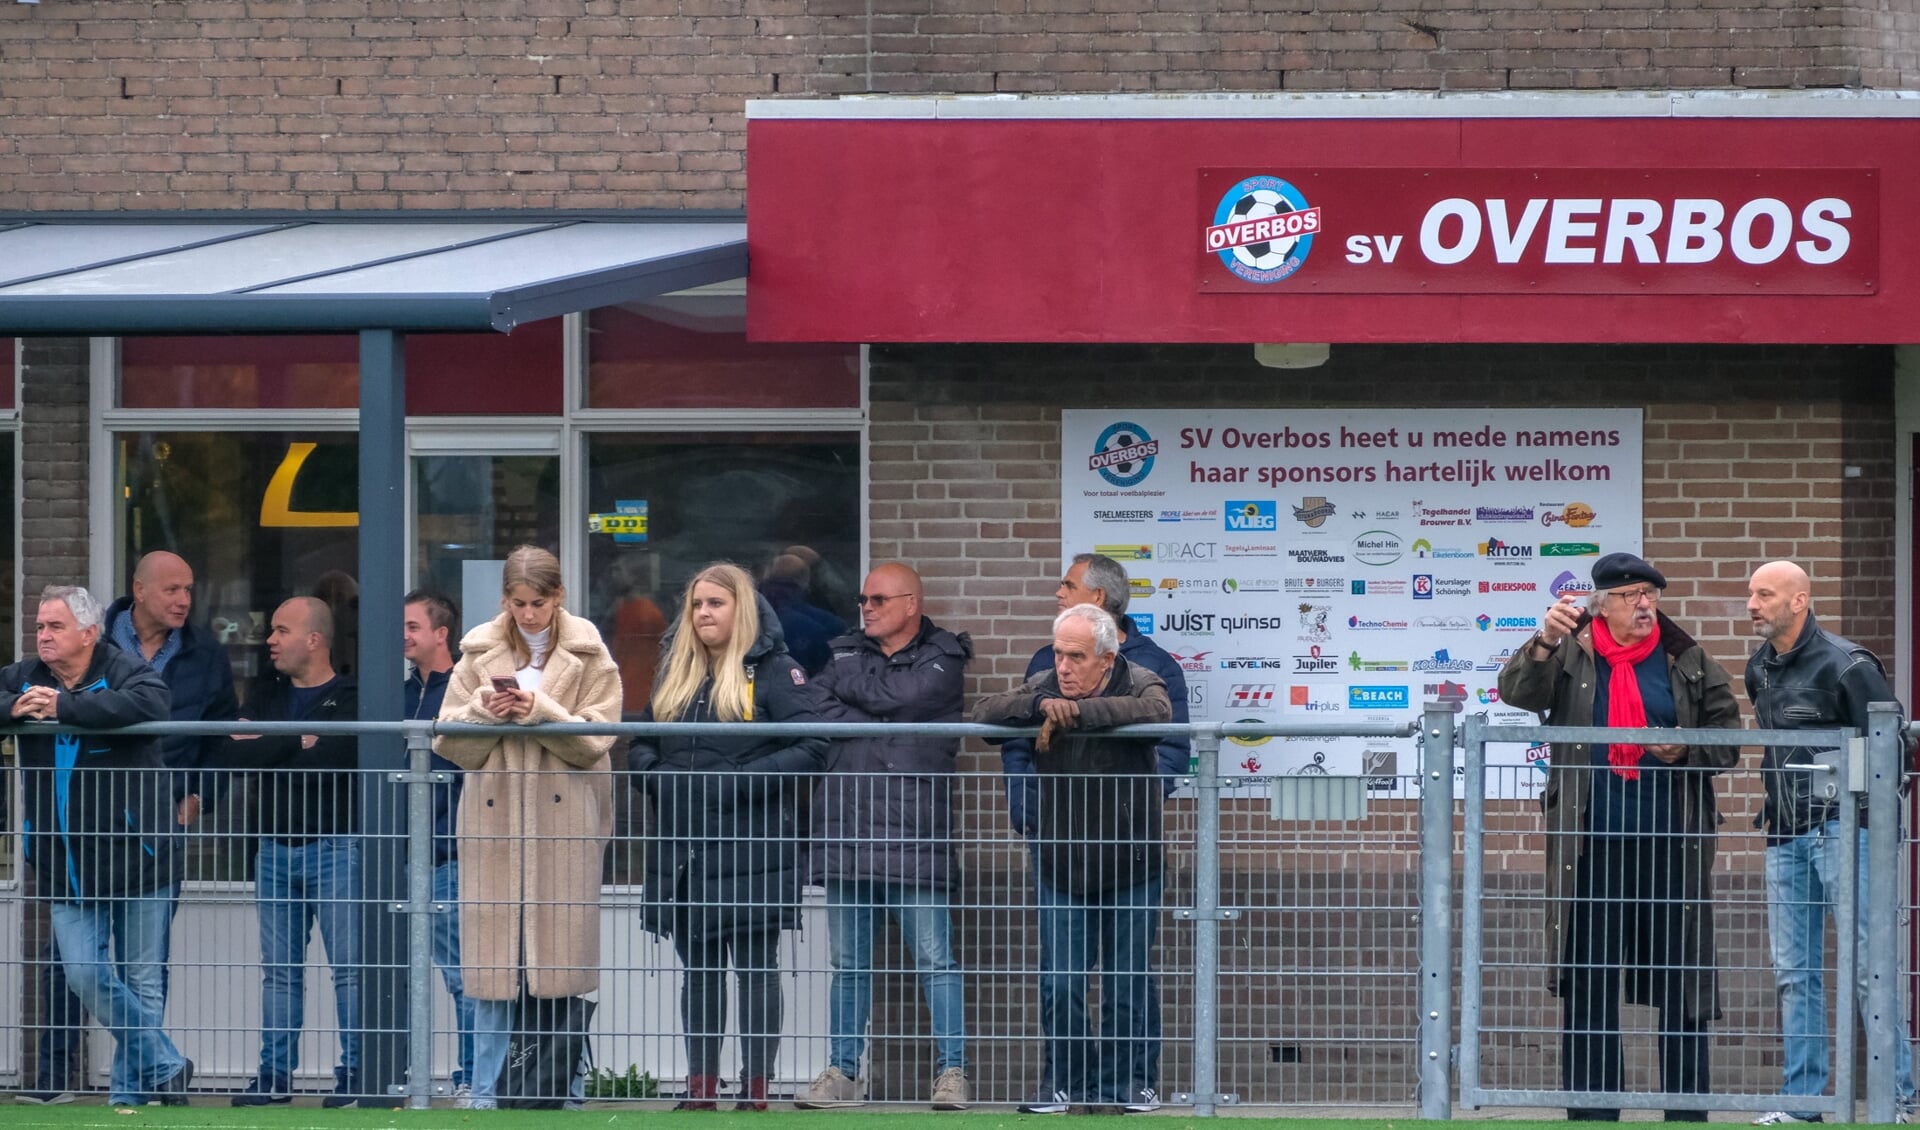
x=1851 y=781
x=1473 y=879
x=420 y=911
x=1882 y=896
x=1436 y=913
x=1206 y=920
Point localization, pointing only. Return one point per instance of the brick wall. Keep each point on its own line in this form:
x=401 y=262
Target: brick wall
x=53 y=461
x=965 y=465
x=638 y=103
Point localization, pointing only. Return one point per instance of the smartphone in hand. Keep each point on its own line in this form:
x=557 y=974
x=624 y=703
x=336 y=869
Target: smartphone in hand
x=505 y=684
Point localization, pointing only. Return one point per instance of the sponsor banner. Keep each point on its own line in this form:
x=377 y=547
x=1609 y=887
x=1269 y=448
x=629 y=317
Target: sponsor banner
x=1603 y=230
x=1292 y=555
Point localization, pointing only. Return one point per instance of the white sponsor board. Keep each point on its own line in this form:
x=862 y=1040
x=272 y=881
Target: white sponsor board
x=1350 y=565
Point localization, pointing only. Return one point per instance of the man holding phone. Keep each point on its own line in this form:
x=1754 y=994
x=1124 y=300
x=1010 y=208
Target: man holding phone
x=1630 y=828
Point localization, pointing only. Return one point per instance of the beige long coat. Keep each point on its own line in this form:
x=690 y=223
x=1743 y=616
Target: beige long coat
x=534 y=817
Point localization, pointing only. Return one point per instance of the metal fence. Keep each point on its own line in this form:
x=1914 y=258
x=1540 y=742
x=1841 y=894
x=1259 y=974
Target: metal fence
x=1286 y=942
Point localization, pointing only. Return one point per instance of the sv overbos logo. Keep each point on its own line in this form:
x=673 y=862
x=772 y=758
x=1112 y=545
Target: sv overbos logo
x=1262 y=229
x=1124 y=454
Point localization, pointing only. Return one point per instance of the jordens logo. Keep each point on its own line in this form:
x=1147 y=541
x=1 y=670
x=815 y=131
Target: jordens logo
x=1262 y=229
x=1124 y=454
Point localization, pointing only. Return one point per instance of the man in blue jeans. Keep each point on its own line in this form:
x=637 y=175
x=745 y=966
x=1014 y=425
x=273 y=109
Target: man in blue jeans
x=430 y=621
x=98 y=829
x=1806 y=678
x=308 y=867
x=1100 y=853
x=883 y=829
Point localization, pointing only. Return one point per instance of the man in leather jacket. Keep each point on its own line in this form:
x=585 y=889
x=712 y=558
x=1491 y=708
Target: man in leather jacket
x=1806 y=678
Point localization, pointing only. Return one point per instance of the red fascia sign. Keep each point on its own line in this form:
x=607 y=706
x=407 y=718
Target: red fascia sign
x=1750 y=230
x=1561 y=231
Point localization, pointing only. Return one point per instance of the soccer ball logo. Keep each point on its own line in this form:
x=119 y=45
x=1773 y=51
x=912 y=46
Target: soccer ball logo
x=1263 y=229
x=1123 y=455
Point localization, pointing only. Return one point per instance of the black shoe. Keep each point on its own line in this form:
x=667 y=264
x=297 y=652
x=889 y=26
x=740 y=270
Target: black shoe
x=263 y=1091
x=1142 y=1100
x=1046 y=1100
x=174 y=1091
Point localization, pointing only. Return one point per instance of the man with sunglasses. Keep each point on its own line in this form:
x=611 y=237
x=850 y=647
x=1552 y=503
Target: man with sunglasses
x=883 y=829
x=1804 y=677
x=1629 y=828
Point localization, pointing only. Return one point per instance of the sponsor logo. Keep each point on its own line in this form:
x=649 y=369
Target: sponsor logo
x=1124 y=454
x=1449 y=694
x=1447 y=623
x=1453 y=586
x=1262 y=229
x=1314 y=663
x=1484 y=621
x=1187 y=550
x=1250 y=696
x=1377 y=698
x=1196 y=695
x=1187 y=623
x=1424 y=548
x=1507 y=586
x=1493 y=549
x=1377 y=547
x=1566 y=582
x=1301 y=698
x=1253 y=663
x=1126 y=552
x=1313 y=511
x=1251 y=742
x=1316 y=557
x=1423 y=586
x=1358 y=664
x=1379 y=588
x=1232 y=624
x=1172 y=585
x=1503 y=514
x=1123 y=515
x=1488 y=696
x=1381 y=768
x=1169 y=516
x=1495 y=661
x=1313 y=623
x=1442 y=515
x=1576 y=515
x=1242 y=517
x=1252 y=585
x=1357 y=624
x=1189 y=660
x=1569 y=549
x=1253 y=550
x=1442 y=661
x=1142 y=622
x=1507 y=623
x=1139 y=588
x=1300 y=585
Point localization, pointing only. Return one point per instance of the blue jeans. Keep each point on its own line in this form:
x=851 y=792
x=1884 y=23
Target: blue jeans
x=1117 y=929
x=114 y=952
x=853 y=910
x=295 y=884
x=446 y=954
x=493 y=1023
x=1801 y=874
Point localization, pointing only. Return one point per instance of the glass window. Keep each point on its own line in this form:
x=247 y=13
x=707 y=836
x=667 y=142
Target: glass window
x=447 y=374
x=691 y=351
x=478 y=508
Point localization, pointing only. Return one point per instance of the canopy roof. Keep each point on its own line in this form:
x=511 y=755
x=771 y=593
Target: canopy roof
x=312 y=275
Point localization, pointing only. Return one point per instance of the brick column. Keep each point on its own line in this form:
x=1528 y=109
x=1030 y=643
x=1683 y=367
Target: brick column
x=54 y=528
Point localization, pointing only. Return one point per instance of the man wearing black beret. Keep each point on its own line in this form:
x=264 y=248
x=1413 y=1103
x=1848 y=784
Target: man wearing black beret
x=1630 y=828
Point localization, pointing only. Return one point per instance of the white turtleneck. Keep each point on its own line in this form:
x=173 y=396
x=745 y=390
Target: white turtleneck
x=537 y=642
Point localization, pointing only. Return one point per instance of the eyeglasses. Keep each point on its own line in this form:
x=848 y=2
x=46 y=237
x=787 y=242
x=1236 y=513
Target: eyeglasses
x=1637 y=596
x=878 y=599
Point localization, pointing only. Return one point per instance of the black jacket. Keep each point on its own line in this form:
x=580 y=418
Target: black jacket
x=200 y=678
x=305 y=794
x=1824 y=683
x=1099 y=797
x=724 y=853
x=423 y=699
x=99 y=807
x=884 y=811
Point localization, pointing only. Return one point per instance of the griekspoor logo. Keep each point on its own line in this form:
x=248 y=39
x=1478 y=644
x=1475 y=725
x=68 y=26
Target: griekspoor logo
x=1262 y=229
x=1124 y=454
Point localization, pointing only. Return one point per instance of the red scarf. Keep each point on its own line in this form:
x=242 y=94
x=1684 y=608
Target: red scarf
x=1625 y=708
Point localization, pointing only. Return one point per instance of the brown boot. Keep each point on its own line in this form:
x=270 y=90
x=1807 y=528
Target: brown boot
x=753 y=1093
x=702 y=1090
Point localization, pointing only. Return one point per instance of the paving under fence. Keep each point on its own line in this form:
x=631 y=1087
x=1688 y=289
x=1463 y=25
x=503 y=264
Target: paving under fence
x=1113 y=941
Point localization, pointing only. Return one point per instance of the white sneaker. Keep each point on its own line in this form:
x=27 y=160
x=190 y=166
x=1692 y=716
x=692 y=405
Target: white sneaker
x=1780 y=1118
x=830 y=1090
x=463 y=1097
x=1145 y=1100
x=1046 y=1100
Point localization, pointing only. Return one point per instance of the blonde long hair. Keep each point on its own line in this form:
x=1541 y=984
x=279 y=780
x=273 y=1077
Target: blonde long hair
x=687 y=664
x=539 y=570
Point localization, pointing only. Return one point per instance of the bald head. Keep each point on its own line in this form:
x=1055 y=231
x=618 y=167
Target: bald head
x=1778 y=598
x=162 y=597
x=890 y=606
